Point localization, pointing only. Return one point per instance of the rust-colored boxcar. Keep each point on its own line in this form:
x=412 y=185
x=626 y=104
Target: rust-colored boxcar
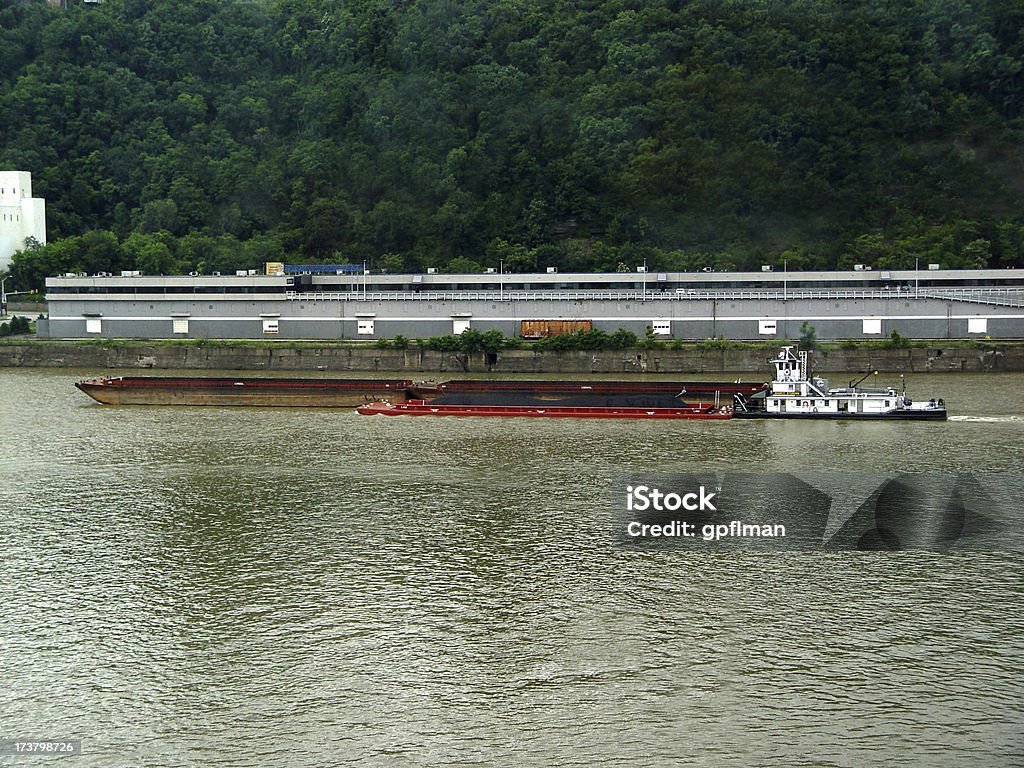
x=538 y=329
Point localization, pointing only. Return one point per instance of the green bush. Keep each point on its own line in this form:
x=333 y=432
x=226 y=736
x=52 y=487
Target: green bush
x=447 y=343
x=593 y=339
x=17 y=326
x=650 y=341
x=718 y=343
x=808 y=336
x=895 y=341
x=470 y=340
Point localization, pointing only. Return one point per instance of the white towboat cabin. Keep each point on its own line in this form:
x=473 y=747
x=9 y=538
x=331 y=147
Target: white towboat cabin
x=795 y=393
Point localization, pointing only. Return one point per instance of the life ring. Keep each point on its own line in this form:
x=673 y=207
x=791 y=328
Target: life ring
x=815 y=409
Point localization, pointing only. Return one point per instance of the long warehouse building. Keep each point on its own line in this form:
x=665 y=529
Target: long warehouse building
x=352 y=304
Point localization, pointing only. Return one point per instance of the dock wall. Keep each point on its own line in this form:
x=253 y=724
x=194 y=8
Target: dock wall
x=99 y=357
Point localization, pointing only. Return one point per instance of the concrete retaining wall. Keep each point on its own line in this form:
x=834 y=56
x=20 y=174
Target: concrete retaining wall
x=56 y=354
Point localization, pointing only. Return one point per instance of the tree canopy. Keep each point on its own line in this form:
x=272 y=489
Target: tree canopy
x=583 y=134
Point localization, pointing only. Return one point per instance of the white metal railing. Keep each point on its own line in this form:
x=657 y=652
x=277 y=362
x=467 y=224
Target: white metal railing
x=999 y=296
x=1006 y=297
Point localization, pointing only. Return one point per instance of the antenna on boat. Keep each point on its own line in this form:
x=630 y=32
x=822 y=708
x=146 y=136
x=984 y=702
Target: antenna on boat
x=855 y=383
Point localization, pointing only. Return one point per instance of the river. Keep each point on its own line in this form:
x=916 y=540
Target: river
x=243 y=587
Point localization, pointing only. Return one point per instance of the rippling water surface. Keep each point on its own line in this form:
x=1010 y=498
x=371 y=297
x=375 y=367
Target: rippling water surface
x=242 y=587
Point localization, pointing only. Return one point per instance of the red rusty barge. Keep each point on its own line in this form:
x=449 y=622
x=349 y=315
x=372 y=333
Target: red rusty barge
x=425 y=408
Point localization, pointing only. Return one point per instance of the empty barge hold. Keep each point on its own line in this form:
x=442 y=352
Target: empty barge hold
x=293 y=392
x=425 y=408
x=559 y=389
x=577 y=399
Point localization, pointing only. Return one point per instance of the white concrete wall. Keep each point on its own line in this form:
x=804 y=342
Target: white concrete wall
x=21 y=215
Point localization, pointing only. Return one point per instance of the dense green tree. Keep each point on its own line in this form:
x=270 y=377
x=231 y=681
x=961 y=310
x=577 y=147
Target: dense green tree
x=461 y=264
x=203 y=135
x=152 y=253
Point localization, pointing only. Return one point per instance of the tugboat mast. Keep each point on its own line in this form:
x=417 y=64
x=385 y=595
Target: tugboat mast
x=856 y=383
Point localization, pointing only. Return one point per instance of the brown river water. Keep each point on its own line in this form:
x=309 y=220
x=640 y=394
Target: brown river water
x=273 y=587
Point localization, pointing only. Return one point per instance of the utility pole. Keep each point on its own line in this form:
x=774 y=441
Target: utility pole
x=4 y=294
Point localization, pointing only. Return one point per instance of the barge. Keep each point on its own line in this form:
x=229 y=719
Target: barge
x=294 y=392
x=350 y=393
x=796 y=394
x=425 y=408
x=556 y=389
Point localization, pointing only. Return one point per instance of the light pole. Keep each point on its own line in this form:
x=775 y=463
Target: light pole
x=644 y=293
x=364 y=279
x=917 y=277
x=4 y=294
x=785 y=279
x=501 y=279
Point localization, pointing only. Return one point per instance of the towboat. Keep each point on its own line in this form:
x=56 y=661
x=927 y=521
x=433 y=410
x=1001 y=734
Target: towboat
x=795 y=394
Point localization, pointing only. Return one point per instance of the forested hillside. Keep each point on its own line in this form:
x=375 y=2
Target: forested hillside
x=588 y=134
